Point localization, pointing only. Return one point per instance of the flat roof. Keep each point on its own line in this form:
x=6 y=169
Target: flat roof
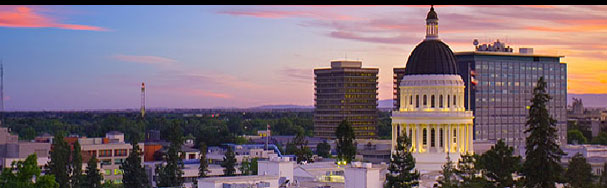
x=228 y=179
x=504 y=54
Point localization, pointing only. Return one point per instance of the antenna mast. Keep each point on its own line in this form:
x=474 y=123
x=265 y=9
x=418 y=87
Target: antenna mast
x=2 y=87
x=142 y=99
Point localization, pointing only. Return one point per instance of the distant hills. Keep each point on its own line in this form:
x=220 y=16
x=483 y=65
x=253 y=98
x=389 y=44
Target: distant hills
x=589 y=100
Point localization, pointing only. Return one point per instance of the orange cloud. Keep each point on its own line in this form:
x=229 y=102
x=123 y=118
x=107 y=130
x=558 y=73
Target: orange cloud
x=144 y=59
x=22 y=16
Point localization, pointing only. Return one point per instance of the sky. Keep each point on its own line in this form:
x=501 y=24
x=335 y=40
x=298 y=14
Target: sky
x=95 y=57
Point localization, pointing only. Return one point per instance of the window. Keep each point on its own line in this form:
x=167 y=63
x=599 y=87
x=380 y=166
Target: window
x=432 y=137
x=410 y=99
x=105 y=153
x=425 y=142
x=454 y=136
x=117 y=172
x=454 y=99
x=106 y=162
x=425 y=100
x=440 y=139
x=107 y=172
x=416 y=101
x=118 y=161
x=440 y=101
x=448 y=101
x=432 y=101
x=120 y=152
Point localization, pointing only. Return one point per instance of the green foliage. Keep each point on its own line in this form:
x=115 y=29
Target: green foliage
x=600 y=139
x=402 y=166
x=323 y=149
x=203 y=168
x=171 y=174
x=254 y=166
x=25 y=172
x=467 y=171
x=603 y=179
x=543 y=155
x=134 y=175
x=76 y=178
x=302 y=152
x=384 y=125
x=448 y=177
x=576 y=137
x=579 y=172
x=291 y=148
x=92 y=178
x=229 y=163
x=59 y=165
x=245 y=167
x=499 y=165
x=346 y=148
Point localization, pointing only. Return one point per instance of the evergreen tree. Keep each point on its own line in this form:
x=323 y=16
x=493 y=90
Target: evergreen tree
x=323 y=149
x=26 y=171
x=93 y=178
x=402 y=166
x=543 y=155
x=229 y=163
x=59 y=164
x=499 y=164
x=291 y=148
x=467 y=171
x=346 y=148
x=203 y=169
x=134 y=175
x=579 y=173
x=603 y=179
x=171 y=174
x=76 y=166
x=254 y=166
x=448 y=178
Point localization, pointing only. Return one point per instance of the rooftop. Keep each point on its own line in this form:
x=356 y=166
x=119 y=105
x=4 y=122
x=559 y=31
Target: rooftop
x=504 y=54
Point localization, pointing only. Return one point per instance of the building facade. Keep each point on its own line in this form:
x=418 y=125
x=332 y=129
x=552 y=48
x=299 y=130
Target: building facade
x=399 y=72
x=12 y=149
x=432 y=112
x=500 y=86
x=346 y=91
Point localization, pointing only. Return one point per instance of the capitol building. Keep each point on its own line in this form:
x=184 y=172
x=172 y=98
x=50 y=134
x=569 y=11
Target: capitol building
x=432 y=112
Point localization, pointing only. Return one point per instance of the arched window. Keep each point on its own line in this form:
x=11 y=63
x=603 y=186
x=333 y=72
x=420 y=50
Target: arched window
x=440 y=101
x=454 y=99
x=440 y=139
x=410 y=133
x=397 y=131
x=425 y=100
x=432 y=101
x=416 y=101
x=410 y=99
x=425 y=135
x=432 y=137
x=448 y=101
x=454 y=136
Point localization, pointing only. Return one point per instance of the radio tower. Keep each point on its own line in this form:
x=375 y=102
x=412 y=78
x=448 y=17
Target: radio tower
x=142 y=99
x=2 y=88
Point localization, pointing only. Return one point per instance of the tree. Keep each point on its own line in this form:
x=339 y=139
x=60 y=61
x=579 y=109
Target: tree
x=92 y=178
x=543 y=155
x=499 y=164
x=603 y=179
x=59 y=164
x=448 y=178
x=323 y=149
x=245 y=166
x=467 y=171
x=402 y=166
x=25 y=172
x=346 y=148
x=170 y=175
x=133 y=173
x=576 y=137
x=579 y=172
x=254 y=166
x=76 y=166
x=203 y=169
x=229 y=163
x=600 y=139
x=291 y=148
x=302 y=152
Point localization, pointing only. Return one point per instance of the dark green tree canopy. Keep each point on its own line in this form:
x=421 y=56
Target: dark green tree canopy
x=229 y=162
x=579 y=172
x=499 y=165
x=402 y=166
x=133 y=173
x=346 y=146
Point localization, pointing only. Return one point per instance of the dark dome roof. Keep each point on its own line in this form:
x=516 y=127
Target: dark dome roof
x=432 y=14
x=431 y=57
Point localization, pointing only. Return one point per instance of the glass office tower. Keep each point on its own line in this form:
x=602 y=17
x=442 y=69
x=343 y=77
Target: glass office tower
x=502 y=85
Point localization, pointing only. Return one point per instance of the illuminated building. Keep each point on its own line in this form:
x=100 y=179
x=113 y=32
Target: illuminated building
x=501 y=85
x=346 y=91
x=399 y=72
x=432 y=112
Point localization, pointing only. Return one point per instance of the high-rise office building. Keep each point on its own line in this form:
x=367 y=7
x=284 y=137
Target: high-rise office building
x=346 y=91
x=499 y=87
x=399 y=72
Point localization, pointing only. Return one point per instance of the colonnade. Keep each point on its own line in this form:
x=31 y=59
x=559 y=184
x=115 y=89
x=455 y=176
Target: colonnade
x=436 y=137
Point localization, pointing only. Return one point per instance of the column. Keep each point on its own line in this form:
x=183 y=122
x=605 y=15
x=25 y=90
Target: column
x=417 y=139
x=448 y=134
x=461 y=138
x=471 y=138
x=436 y=138
x=427 y=138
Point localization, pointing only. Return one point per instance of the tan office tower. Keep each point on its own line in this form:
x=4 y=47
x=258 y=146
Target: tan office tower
x=346 y=91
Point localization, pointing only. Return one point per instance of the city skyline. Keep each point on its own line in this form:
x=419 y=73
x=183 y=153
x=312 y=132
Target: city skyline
x=95 y=57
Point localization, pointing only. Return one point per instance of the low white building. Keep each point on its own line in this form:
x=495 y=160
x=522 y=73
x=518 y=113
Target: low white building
x=363 y=175
x=255 y=181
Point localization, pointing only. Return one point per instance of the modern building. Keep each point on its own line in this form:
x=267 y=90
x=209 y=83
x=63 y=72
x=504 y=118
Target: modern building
x=399 y=72
x=363 y=175
x=111 y=151
x=346 y=91
x=12 y=149
x=499 y=86
x=432 y=111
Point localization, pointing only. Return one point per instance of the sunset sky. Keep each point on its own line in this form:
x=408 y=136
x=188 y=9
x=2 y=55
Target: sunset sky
x=95 y=57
